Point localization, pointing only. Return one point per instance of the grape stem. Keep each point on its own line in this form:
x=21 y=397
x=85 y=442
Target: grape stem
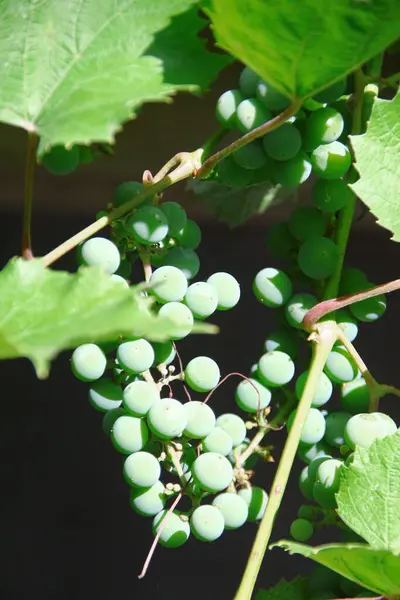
x=206 y=399
x=209 y=164
x=28 y=196
x=323 y=339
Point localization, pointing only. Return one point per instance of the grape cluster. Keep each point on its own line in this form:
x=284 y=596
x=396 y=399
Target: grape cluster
x=313 y=140
x=60 y=160
x=171 y=447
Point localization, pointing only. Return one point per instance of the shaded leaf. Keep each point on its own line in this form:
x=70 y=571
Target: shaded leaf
x=302 y=47
x=377 y=161
x=286 y=590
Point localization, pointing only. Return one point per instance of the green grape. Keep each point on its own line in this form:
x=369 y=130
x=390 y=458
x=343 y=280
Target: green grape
x=335 y=425
x=307 y=453
x=136 y=356
x=353 y=280
x=280 y=241
x=129 y=434
x=234 y=509
x=340 y=366
x=293 y=172
x=234 y=426
x=250 y=462
x=332 y=93
x=355 y=396
x=318 y=257
x=256 y=499
x=314 y=426
x=284 y=341
x=327 y=482
x=207 y=523
x=169 y=284
x=176 y=217
x=226 y=107
x=200 y=419
x=139 y=396
x=212 y=472
x=164 y=352
x=305 y=483
x=271 y=98
x=251 y=113
x=120 y=280
x=331 y=195
x=251 y=396
x=125 y=192
x=323 y=127
x=264 y=174
x=282 y=143
x=202 y=374
x=364 y=428
x=272 y=287
x=219 y=441
x=105 y=395
x=141 y=469
x=248 y=81
x=301 y=530
x=183 y=259
x=306 y=512
x=297 y=308
x=99 y=252
x=148 y=225
x=251 y=156
x=86 y=154
x=227 y=288
x=306 y=222
x=88 y=362
x=167 y=418
x=347 y=323
x=323 y=389
x=148 y=501
x=275 y=368
x=190 y=236
x=181 y=317
x=369 y=310
x=109 y=419
x=202 y=299
x=176 y=529
x=230 y=173
x=60 y=161
x=124 y=269
x=331 y=161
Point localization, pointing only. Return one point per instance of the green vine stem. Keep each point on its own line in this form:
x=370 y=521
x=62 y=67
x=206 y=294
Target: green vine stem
x=323 y=340
x=274 y=123
x=26 y=251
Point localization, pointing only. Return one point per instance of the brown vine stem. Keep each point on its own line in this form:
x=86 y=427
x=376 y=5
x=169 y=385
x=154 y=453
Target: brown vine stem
x=274 y=123
x=26 y=251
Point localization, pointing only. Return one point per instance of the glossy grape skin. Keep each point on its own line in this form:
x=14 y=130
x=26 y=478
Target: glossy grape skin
x=148 y=225
x=323 y=391
x=308 y=476
x=364 y=428
x=293 y=172
x=164 y=352
x=207 y=523
x=184 y=259
x=105 y=395
x=181 y=317
x=275 y=368
x=60 y=160
x=167 y=418
x=251 y=156
x=129 y=434
x=347 y=323
x=297 y=308
x=169 y=284
x=283 y=143
x=139 y=396
x=332 y=92
x=327 y=482
x=190 y=236
x=233 y=508
x=323 y=127
x=88 y=362
x=308 y=453
x=272 y=287
x=331 y=161
x=200 y=419
x=126 y=191
x=136 y=356
x=306 y=222
x=202 y=299
x=256 y=499
x=248 y=81
x=148 y=502
x=175 y=531
x=251 y=396
x=301 y=530
x=109 y=419
x=340 y=366
x=314 y=426
x=202 y=374
x=331 y=195
x=176 y=217
x=234 y=426
x=369 y=310
x=318 y=257
x=227 y=288
x=141 y=469
x=219 y=441
x=355 y=396
x=212 y=472
x=335 y=425
x=271 y=98
x=353 y=280
x=251 y=113
x=226 y=107
x=284 y=341
x=99 y=252
x=231 y=174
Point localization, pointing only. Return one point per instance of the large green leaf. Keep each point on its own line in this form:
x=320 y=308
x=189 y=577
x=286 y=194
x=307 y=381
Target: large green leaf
x=43 y=312
x=286 y=590
x=377 y=570
x=369 y=494
x=377 y=156
x=74 y=70
x=301 y=47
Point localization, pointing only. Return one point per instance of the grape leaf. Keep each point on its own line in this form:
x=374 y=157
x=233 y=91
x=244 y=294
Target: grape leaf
x=376 y=570
x=377 y=161
x=73 y=71
x=234 y=206
x=43 y=312
x=286 y=590
x=302 y=47
x=369 y=494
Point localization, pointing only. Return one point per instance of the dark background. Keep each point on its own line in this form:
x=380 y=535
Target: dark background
x=67 y=531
